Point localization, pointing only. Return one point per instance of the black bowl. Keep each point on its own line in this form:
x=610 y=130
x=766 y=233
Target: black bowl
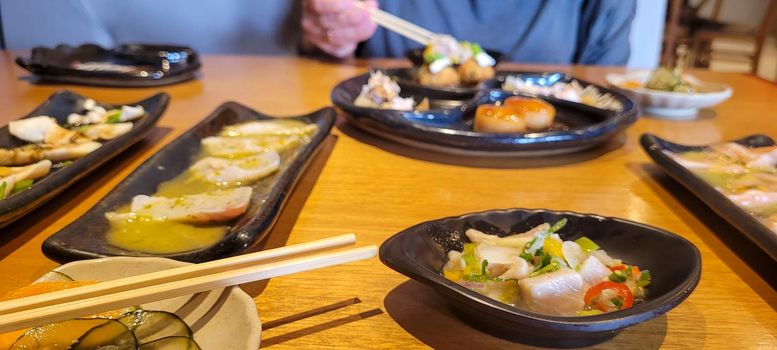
x=420 y=252
x=448 y=126
x=736 y=216
x=59 y=106
x=142 y=64
x=85 y=238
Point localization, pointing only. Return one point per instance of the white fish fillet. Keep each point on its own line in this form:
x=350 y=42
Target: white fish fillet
x=555 y=293
x=593 y=271
x=32 y=129
x=215 y=206
x=242 y=170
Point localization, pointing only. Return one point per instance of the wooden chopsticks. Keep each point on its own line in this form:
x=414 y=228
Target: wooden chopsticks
x=190 y=279
x=398 y=25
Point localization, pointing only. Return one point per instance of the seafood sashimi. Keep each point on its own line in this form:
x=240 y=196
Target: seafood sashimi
x=242 y=170
x=216 y=206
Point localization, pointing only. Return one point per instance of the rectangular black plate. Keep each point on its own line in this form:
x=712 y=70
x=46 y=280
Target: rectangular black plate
x=59 y=106
x=85 y=238
x=736 y=216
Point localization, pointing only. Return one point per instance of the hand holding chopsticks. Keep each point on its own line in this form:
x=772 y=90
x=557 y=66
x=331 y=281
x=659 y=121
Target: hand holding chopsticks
x=165 y=284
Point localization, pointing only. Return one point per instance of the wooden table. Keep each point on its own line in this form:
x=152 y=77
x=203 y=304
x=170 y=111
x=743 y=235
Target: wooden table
x=362 y=184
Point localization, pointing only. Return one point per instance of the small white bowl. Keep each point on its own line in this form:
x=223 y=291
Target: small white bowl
x=220 y=319
x=670 y=105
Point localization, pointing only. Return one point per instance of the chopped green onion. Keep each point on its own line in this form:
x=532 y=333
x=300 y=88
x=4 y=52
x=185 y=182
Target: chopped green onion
x=2 y=189
x=114 y=116
x=429 y=58
x=552 y=266
x=589 y=312
x=644 y=278
x=22 y=185
x=587 y=244
x=617 y=302
x=617 y=276
x=557 y=226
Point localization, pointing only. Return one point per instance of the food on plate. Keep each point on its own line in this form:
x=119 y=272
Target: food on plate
x=194 y=209
x=516 y=114
x=663 y=79
x=52 y=146
x=747 y=176
x=452 y=63
x=383 y=92
x=540 y=272
x=572 y=91
x=125 y=328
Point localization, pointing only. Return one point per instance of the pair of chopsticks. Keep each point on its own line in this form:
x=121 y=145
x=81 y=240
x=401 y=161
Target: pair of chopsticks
x=398 y=25
x=105 y=296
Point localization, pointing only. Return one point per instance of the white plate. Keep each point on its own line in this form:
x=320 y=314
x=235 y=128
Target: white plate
x=220 y=319
x=671 y=105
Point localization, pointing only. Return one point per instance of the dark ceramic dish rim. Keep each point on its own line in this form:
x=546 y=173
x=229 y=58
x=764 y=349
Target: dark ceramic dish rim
x=53 y=73
x=426 y=134
x=55 y=183
x=641 y=312
x=324 y=118
x=753 y=229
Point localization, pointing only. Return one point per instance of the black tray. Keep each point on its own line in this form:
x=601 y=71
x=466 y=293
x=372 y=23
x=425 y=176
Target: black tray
x=146 y=64
x=85 y=238
x=59 y=106
x=736 y=216
x=420 y=252
x=448 y=126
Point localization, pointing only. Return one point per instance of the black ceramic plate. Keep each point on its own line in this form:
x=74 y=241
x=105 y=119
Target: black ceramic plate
x=448 y=126
x=59 y=106
x=741 y=219
x=128 y=65
x=420 y=252
x=85 y=238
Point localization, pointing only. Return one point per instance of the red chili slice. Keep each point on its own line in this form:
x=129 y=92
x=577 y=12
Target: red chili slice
x=624 y=294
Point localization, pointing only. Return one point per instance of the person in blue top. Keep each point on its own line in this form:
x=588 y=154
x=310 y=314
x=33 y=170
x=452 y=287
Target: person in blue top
x=594 y=32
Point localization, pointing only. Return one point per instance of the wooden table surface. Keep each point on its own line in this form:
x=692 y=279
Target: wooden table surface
x=374 y=188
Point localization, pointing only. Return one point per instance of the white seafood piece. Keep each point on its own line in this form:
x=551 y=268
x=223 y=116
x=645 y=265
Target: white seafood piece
x=89 y=104
x=514 y=241
x=106 y=131
x=766 y=160
x=554 y=293
x=454 y=261
x=221 y=146
x=32 y=153
x=243 y=170
x=270 y=127
x=593 y=271
x=129 y=113
x=500 y=259
x=32 y=129
x=606 y=259
x=753 y=198
x=215 y=206
x=519 y=269
x=98 y=115
x=12 y=175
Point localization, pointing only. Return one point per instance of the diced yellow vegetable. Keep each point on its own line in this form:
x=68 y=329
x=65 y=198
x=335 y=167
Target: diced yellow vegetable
x=553 y=247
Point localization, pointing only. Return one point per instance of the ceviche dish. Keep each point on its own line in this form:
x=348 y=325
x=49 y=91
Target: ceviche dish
x=540 y=272
x=127 y=328
x=746 y=176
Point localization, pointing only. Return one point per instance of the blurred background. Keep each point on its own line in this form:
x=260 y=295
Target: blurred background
x=722 y=35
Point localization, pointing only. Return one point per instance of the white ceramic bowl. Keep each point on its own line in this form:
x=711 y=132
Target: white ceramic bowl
x=671 y=105
x=220 y=319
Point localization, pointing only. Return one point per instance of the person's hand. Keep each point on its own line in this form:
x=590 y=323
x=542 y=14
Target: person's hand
x=336 y=26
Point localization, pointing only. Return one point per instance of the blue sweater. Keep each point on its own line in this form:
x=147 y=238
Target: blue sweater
x=529 y=31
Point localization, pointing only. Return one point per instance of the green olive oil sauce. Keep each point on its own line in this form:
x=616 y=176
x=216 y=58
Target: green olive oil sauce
x=168 y=237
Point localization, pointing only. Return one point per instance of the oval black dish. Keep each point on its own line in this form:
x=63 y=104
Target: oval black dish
x=447 y=127
x=736 y=216
x=420 y=252
x=59 y=106
x=86 y=237
x=128 y=65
